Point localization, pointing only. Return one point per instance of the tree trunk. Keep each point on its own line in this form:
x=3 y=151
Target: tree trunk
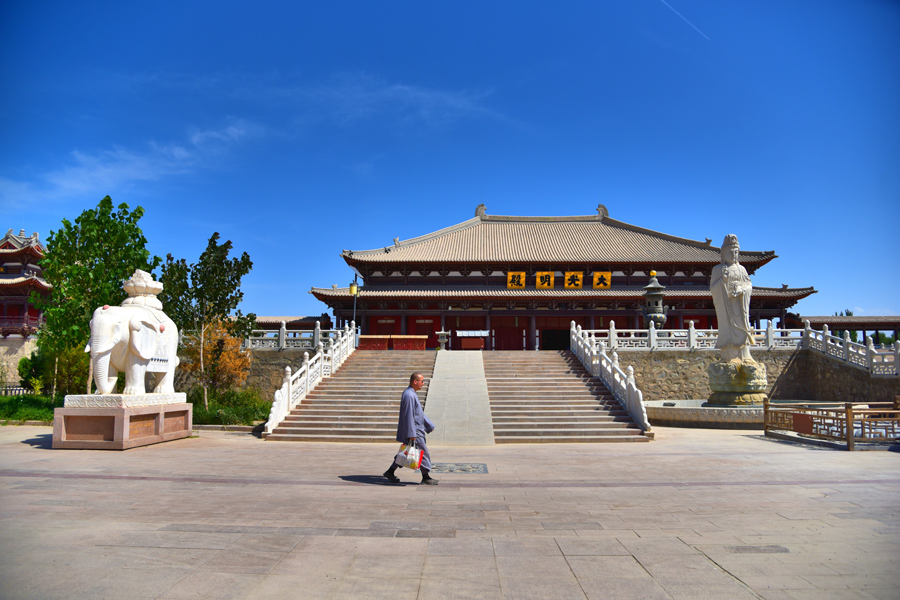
x=55 y=367
x=202 y=370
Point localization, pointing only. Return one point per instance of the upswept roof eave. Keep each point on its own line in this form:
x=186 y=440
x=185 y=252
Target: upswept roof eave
x=416 y=240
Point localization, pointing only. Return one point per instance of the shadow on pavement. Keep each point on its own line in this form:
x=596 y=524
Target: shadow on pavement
x=372 y=480
x=43 y=441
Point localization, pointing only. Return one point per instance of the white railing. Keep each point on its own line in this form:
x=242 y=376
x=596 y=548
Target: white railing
x=883 y=363
x=591 y=351
x=325 y=362
x=690 y=338
x=261 y=339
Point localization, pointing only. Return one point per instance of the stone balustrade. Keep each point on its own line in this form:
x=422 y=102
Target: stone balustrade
x=592 y=354
x=294 y=340
x=331 y=352
x=690 y=338
x=878 y=363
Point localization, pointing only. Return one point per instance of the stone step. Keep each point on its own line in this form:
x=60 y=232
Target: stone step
x=560 y=439
x=342 y=437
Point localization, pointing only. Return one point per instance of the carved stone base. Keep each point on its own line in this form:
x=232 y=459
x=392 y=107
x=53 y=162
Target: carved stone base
x=736 y=398
x=737 y=383
x=121 y=428
x=122 y=401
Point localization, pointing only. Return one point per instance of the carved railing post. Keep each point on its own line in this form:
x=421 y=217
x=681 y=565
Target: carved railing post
x=282 y=334
x=652 y=335
x=331 y=358
x=692 y=335
x=613 y=342
x=317 y=334
x=354 y=334
x=847 y=346
x=807 y=335
x=306 y=365
x=870 y=353
x=897 y=358
x=286 y=386
x=770 y=335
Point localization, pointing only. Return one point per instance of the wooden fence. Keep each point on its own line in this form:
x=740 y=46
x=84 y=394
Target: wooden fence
x=850 y=422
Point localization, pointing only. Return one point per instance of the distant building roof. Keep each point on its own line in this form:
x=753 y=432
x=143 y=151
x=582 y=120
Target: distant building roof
x=851 y=323
x=293 y=323
x=594 y=239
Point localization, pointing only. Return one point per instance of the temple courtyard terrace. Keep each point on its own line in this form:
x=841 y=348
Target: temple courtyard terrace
x=694 y=514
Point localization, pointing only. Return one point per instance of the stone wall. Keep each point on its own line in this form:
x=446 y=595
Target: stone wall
x=266 y=371
x=11 y=350
x=793 y=375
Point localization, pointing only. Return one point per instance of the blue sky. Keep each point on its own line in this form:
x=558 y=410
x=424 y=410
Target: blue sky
x=300 y=129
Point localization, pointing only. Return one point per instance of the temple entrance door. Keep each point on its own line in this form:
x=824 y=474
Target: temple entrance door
x=429 y=326
x=385 y=325
x=509 y=332
x=554 y=339
x=554 y=331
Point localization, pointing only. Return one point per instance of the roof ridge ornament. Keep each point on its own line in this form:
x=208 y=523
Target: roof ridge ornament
x=397 y=242
x=479 y=211
x=602 y=212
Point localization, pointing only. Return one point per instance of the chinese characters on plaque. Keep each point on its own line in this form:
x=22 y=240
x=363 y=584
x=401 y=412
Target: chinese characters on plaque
x=602 y=280
x=546 y=280
x=515 y=280
x=573 y=280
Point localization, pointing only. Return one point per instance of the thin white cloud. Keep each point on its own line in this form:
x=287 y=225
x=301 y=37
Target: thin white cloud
x=356 y=97
x=684 y=19
x=110 y=170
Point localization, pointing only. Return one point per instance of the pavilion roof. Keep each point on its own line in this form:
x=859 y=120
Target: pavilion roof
x=11 y=283
x=12 y=242
x=580 y=239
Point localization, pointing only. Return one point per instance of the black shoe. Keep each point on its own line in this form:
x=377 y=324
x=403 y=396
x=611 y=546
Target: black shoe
x=430 y=481
x=391 y=477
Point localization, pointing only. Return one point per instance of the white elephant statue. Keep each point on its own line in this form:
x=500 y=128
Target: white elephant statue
x=134 y=340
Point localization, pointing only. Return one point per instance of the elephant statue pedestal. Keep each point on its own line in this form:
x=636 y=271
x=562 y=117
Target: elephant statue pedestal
x=120 y=422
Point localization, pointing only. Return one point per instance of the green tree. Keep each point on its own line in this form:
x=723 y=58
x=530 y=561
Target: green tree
x=840 y=332
x=198 y=295
x=32 y=368
x=86 y=263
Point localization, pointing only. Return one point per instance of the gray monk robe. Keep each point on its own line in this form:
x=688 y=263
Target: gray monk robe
x=414 y=424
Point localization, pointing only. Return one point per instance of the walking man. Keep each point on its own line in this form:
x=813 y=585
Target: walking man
x=412 y=427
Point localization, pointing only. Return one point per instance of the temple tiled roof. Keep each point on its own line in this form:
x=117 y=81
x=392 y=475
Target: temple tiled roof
x=582 y=239
x=494 y=292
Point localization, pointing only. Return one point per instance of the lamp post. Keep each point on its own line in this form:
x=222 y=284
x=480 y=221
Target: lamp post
x=354 y=290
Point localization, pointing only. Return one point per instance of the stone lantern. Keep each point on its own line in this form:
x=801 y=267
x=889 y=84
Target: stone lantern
x=654 y=311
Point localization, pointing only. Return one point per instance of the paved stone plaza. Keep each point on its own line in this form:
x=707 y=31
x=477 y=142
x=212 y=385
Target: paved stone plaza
x=695 y=514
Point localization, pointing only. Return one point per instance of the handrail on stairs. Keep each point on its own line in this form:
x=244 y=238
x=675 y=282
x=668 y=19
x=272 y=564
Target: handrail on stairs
x=592 y=354
x=324 y=363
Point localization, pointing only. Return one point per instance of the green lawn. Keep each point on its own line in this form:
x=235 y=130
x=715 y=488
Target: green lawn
x=235 y=407
x=28 y=408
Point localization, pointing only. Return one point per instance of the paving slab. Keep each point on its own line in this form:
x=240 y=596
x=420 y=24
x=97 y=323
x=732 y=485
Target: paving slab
x=694 y=514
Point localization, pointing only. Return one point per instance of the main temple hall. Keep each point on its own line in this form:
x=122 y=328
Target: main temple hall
x=519 y=281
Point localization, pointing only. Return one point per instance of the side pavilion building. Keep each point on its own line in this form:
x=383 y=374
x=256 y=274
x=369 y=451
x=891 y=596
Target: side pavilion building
x=523 y=279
